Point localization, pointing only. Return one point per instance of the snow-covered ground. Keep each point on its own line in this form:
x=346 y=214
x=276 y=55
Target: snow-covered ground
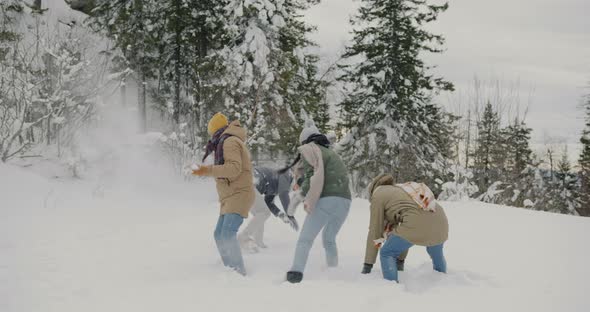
x=145 y=244
x=130 y=236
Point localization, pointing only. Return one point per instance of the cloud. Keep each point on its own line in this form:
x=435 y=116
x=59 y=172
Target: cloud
x=544 y=44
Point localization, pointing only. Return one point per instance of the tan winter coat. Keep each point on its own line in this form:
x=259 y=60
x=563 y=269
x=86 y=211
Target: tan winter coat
x=235 y=185
x=391 y=205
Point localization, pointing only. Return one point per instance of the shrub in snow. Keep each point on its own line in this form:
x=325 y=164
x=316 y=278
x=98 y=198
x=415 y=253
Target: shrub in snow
x=492 y=194
x=461 y=188
x=48 y=81
x=181 y=153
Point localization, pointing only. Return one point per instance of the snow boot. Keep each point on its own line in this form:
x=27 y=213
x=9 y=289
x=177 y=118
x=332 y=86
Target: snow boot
x=294 y=277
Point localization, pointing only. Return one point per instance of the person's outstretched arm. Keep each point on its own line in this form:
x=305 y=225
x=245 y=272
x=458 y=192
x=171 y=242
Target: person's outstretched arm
x=376 y=227
x=269 y=200
x=285 y=201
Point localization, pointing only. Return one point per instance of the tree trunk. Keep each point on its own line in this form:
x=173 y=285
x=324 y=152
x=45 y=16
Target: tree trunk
x=142 y=76
x=468 y=140
x=142 y=103
x=48 y=134
x=177 y=82
x=550 y=153
x=123 y=92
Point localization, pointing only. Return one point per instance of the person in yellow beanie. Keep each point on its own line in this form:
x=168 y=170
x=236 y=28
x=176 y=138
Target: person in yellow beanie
x=217 y=122
x=233 y=172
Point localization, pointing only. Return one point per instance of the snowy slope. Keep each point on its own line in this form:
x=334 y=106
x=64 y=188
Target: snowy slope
x=72 y=245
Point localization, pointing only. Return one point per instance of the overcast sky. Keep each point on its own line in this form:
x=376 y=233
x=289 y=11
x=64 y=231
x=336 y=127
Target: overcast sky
x=543 y=44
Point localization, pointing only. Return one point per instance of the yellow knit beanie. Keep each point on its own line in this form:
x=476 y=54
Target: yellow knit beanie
x=216 y=122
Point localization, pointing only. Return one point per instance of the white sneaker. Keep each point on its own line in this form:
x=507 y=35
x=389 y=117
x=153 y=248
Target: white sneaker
x=249 y=246
x=261 y=245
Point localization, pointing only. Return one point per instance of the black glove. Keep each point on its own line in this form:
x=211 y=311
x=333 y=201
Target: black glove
x=283 y=216
x=400 y=264
x=293 y=223
x=367 y=268
x=290 y=220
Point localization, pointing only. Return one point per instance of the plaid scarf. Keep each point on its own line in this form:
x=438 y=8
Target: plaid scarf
x=216 y=145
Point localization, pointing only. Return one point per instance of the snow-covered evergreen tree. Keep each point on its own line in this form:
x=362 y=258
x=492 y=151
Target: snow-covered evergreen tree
x=245 y=57
x=567 y=200
x=269 y=76
x=392 y=123
x=516 y=158
x=190 y=71
x=489 y=151
x=558 y=191
x=516 y=138
x=584 y=161
x=128 y=22
x=171 y=45
x=306 y=96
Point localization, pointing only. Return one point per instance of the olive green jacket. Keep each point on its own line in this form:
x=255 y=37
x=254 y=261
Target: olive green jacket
x=335 y=175
x=392 y=206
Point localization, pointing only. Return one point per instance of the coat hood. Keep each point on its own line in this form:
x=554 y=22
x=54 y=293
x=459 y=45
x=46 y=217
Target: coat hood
x=235 y=129
x=382 y=179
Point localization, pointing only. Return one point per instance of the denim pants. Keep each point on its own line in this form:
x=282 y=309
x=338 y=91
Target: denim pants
x=227 y=242
x=395 y=246
x=329 y=214
x=255 y=228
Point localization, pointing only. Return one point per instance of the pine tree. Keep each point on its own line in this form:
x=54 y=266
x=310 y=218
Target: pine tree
x=8 y=37
x=560 y=195
x=488 y=164
x=128 y=23
x=269 y=78
x=306 y=96
x=584 y=161
x=516 y=138
x=246 y=58
x=189 y=71
x=171 y=46
x=253 y=61
x=517 y=158
x=392 y=124
x=303 y=92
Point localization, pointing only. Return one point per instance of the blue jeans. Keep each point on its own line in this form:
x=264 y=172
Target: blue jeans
x=395 y=246
x=329 y=215
x=227 y=242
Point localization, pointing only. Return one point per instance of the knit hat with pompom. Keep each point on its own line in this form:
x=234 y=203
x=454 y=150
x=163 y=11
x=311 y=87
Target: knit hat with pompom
x=309 y=129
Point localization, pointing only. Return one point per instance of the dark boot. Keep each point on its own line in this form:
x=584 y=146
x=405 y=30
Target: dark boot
x=400 y=264
x=294 y=277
